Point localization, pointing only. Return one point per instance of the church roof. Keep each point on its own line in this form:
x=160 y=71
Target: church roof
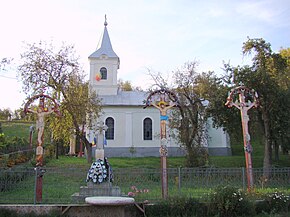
x=125 y=98
x=105 y=47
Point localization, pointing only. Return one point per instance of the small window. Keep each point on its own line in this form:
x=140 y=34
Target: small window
x=103 y=72
x=147 y=129
x=110 y=131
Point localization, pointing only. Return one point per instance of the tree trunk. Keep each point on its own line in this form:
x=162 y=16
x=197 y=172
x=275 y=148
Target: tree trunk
x=89 y=149
x=276 y=150
x=56 y=151
x=267 y=149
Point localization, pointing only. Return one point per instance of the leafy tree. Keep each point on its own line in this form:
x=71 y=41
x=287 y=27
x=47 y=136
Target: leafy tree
x=5 y=114
x=4 y=62
x=59 y=72
x=192 y=110
x=264 y=75
x=127 y=86
x=189 y=120
x=284 y=83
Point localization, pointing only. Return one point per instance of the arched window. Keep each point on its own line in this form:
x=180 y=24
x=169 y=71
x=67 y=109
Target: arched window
x=110 y=131
x=103 y=72
x=147 y=129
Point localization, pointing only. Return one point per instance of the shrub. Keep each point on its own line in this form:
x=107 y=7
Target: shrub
x=229 y=201
x=12 y=213
x=12 y=144
x=176 y=206
x=276 y=202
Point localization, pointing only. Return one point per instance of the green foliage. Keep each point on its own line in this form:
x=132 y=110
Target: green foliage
x=190 y=117
x=11 y=144
x=5 y=114
x=228 y=202
x=125 y=85
x=276 y=202
x=177 y=207
x=19 y=129
x=59 y=72
x=12 y=213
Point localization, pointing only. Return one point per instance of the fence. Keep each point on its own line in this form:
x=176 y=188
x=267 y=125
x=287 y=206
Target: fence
x=17 y=186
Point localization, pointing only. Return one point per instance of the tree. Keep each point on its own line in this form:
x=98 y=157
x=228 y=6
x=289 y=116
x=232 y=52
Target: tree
x=4 y=62
x=127 y=86
x=59 y=73
x=192 y=110
x=264 y=75
x=284 y=83
x=5 y=114
x=189 y=120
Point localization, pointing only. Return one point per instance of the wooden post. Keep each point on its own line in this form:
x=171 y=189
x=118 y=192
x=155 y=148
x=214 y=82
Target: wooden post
x=244 y=106
x=167 y=100
x=41 y=111
x=164 y=177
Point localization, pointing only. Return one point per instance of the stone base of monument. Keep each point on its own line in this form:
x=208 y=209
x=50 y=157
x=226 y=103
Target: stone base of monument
x=110 y=206
x=110 y=201
x=92 y=190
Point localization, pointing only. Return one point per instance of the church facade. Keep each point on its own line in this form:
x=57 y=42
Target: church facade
x=132 y=130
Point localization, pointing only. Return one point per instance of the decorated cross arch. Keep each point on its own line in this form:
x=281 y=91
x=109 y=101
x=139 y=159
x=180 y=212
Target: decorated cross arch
x=163 y=100
x=46 y=106
x=244 y=99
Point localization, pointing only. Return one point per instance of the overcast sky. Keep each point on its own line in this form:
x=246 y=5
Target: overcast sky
x=155 y=34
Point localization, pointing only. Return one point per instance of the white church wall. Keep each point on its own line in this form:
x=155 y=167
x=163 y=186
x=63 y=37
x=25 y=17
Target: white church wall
x=218 y=141
x=128 y=130
x=128 y=133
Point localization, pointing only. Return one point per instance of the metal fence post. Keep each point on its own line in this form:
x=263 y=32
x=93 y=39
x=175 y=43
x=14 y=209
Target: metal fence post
x=179 y=179
x=35 y=184
x=243 y=178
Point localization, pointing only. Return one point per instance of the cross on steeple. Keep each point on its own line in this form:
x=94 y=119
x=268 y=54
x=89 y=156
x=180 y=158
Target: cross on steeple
x=105 y=23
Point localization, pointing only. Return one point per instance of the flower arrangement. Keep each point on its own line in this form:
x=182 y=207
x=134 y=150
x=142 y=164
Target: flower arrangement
x=99 y=172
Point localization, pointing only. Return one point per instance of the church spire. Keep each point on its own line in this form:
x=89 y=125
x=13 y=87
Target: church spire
x=106 y=46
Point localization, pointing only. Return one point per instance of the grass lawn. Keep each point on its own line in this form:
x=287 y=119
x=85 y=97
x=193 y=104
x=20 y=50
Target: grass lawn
x=172 y=162
x=145 y=162
x=21 y=129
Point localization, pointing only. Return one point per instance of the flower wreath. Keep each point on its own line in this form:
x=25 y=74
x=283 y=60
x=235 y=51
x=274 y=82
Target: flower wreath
x=99 y=172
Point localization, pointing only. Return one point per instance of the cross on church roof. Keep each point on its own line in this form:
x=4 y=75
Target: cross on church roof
x=105 y=23
x=105 y=46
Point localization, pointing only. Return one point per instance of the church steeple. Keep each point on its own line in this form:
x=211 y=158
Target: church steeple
x=104 y=65
x=105 y=47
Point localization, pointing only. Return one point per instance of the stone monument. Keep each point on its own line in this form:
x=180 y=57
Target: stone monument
x=72 y=144
x=99 y=177
x=100 y=140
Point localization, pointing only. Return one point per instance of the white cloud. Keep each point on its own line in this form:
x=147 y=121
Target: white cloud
x=271 y=12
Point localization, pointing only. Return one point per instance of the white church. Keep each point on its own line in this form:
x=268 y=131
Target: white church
x=132 y=130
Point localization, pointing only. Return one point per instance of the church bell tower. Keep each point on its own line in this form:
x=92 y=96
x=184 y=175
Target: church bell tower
x=104 y=64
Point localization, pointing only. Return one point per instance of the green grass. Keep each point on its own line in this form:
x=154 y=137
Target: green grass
x=239 y=161
x=21 y=129
x=144 y=162
x=172 y=162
